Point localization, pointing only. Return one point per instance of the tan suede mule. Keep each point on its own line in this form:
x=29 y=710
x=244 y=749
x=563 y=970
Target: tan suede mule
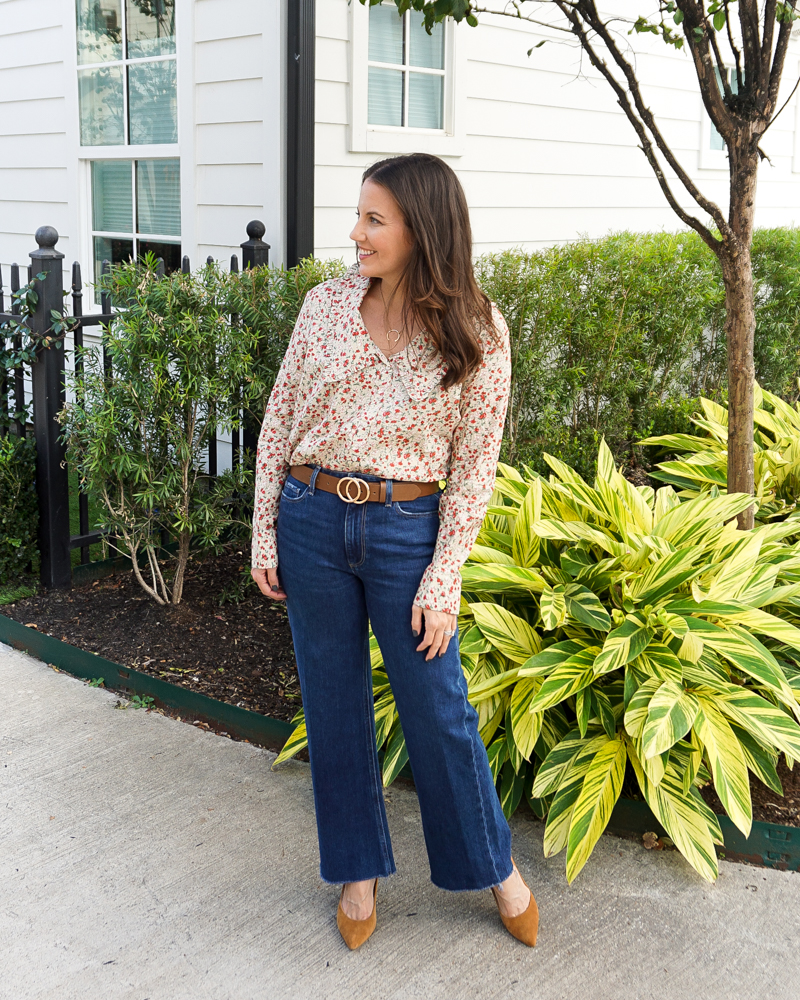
x=356 y=932
x=525 y=926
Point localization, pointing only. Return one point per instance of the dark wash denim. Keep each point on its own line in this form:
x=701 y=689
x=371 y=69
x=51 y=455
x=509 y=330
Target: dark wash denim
x=344 y=566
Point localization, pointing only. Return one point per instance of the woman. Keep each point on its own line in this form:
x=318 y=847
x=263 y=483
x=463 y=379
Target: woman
x=396 y=377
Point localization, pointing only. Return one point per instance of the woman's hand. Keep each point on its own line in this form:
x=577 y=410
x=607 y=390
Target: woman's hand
x=435 y=624
x=267 y=580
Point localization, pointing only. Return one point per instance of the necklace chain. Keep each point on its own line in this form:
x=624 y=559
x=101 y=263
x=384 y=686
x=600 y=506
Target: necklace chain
x=388 y=333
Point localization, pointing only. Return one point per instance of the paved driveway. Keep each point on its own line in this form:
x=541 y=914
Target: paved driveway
x=144 y=859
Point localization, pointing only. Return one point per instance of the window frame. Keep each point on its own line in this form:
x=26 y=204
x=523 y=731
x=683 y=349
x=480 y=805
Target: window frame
x=368 y=138
x=88 y=214
x=124 y=63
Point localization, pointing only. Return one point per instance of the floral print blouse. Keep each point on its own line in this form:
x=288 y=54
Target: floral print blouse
x=340 y=402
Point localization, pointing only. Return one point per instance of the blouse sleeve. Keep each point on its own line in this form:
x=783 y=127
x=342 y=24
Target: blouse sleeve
x=273 y=454
x=473 y=468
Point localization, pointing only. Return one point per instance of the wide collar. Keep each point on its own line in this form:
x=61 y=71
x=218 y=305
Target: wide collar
x=420 y=366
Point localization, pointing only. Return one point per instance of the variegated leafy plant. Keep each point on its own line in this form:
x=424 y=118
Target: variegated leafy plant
x=612 y=634
x=704 y=466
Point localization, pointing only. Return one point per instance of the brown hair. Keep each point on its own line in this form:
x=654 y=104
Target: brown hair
x=438 y=282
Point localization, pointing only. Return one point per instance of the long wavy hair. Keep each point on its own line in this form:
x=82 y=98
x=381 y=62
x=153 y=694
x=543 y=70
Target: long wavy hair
x=438 y=283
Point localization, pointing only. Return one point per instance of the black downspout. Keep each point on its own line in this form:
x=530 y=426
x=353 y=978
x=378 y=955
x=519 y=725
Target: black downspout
x=300 y=76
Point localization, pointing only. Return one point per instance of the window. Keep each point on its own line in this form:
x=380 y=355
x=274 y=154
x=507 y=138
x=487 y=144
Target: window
x=136 y=210
x=404 y=84
x=406 y=70
x=127 y=85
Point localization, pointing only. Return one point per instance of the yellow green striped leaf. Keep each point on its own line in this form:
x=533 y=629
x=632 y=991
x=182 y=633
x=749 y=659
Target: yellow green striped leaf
x=577 y=531
x=623 y=645
x=489 y=554
x=497 y=752
x=600 y=790
x=670 y=715
x=746 y=653
x=636 y=712
x=728 y=764
x=395 y=755
x=760 y=760
x=760 y=717
x=567 y=679
x=297 y=741
x=512 y=786
x=683 y=816
x=553 y=607
x=666 y=575
x=385 y=715
x=542 y=663
x=605 y=711
x=512 y=635
x=525 y=544
x=584 y=606
x=658 y=660
x=496 y=577
x=525 y=723
x=559 y=816
x=473 y=641
x=559 y=761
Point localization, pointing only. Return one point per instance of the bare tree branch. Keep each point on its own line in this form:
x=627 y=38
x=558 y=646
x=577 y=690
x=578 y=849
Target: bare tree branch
x=766 y=45
x=748 y=21
x=638 y=122
x=784 y=34
x=588 y=12
x=736 y=53
x=712 y=97
x=791 y=95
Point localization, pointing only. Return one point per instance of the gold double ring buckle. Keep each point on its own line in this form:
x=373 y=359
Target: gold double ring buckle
x=348 y=480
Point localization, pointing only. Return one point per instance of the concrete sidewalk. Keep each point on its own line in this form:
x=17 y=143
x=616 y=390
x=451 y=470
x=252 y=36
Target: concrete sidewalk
x=143 y=858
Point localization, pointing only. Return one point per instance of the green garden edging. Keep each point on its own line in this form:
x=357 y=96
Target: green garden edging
x=237 y=721
x=769 y=844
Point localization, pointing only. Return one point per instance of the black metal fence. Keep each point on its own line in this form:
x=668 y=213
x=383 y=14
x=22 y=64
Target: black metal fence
x=45 y=272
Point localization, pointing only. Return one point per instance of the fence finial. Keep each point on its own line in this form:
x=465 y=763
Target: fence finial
x=255 y=252
x=46 y=237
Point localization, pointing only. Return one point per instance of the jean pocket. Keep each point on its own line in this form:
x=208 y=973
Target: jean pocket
x=293 y=489
x=427 y=506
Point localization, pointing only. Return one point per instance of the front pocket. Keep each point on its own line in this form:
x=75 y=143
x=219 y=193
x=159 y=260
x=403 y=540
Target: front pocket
x=293 y=490
x=427 y=506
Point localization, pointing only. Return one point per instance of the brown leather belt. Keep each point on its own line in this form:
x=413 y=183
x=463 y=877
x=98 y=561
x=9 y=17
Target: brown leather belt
x=352 y=489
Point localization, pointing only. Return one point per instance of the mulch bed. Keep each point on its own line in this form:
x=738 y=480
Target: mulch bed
x=240 y=653
x=767 y=806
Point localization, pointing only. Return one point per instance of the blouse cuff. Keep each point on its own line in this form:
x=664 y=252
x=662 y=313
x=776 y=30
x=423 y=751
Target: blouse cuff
x=264 y=549
x=440 y=589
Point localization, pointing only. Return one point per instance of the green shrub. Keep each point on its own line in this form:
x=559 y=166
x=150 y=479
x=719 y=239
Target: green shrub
x=137 y=438
x=19 y=511
x=611 y=337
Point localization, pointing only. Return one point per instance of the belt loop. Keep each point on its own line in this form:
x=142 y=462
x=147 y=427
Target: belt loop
x=313 y=480
x=388 y=493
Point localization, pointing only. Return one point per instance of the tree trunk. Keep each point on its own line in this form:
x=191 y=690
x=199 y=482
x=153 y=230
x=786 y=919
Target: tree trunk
x=740 y=325
x=740 y=319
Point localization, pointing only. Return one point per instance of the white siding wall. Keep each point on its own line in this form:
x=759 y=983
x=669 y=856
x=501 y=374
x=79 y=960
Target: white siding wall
x=547 y=153
x=230 y=100
x=36 y=170
x=238 y=97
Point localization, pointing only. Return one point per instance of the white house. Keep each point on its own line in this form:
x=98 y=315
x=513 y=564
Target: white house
x=169 y=124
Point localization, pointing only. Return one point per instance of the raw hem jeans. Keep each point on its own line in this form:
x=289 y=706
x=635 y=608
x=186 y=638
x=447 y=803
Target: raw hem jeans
x=344 y=566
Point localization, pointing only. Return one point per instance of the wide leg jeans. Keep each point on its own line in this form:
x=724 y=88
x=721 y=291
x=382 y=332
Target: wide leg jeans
x=344 y=566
